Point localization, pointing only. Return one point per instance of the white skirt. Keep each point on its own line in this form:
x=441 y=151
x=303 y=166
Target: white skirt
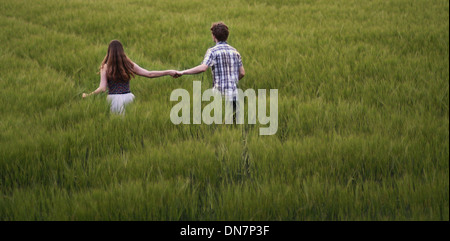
x=118 y=102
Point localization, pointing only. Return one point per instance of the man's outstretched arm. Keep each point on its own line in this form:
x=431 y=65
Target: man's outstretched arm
x=196 y=70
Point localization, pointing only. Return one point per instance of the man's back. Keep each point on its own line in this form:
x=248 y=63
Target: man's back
x=225 y=62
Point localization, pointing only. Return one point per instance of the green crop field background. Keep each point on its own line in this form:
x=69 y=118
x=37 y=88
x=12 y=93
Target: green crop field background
x=363 y=131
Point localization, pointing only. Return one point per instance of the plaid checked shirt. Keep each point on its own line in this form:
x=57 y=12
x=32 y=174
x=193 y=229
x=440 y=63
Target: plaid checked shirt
x=225 y=62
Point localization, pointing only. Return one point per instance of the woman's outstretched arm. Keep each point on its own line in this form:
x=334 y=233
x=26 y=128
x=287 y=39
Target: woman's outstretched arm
x=152 y=74
x=103 y=86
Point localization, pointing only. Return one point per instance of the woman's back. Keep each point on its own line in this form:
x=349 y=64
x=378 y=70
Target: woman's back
x=118 y=86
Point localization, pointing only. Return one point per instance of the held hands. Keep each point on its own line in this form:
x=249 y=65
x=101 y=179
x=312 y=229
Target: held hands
x=176 y=74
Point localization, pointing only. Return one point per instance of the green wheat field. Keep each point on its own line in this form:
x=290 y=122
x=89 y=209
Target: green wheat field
x=363 y=97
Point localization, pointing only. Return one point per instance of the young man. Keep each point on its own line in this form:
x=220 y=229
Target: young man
x=226 y=65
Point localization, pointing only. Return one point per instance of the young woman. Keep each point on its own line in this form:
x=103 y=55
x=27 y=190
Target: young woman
x=115 y=74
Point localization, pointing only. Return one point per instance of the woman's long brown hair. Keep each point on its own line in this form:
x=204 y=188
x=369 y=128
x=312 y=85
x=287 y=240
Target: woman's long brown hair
x=119 y=65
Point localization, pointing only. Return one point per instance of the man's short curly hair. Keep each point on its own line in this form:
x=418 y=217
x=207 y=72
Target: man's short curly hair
x=220 y=31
